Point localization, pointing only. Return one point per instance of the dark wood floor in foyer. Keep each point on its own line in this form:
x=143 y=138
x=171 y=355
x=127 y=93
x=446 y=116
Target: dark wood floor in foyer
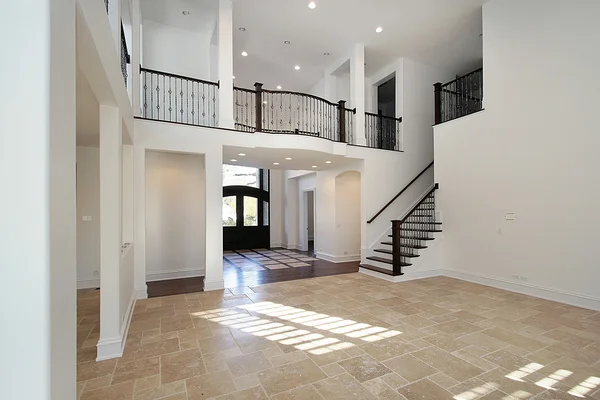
x=235 y=276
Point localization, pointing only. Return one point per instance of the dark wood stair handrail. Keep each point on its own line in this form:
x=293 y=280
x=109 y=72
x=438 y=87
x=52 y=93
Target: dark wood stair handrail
x=399 y=194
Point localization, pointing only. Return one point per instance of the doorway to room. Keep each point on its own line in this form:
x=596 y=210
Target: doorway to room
x=310 y=223
x=386 y=98
x=245 y=208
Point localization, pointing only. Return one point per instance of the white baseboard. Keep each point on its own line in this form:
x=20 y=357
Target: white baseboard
x=174 y=274
x=214 y=285
x=141 y=293
x=338 y=259
x=291 y=246
x=113 y=347
x=403 y=278
x=275 y=245
x=560 y=296
x=88 y=283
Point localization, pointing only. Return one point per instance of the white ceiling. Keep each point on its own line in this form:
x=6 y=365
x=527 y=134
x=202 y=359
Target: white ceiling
x=202 y=17
x=300 y=159
x=442 y=33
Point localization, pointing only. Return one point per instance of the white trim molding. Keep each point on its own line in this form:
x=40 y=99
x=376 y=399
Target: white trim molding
x=88 y=283
x=142 y=293
x=338 y=259
x=113 y=347
x=174 y=274
x=215 y=285
x=557 y=295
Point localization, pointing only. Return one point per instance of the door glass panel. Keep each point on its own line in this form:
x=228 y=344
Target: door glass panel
x=265 y=213
x=229 y=211
x=250 y=211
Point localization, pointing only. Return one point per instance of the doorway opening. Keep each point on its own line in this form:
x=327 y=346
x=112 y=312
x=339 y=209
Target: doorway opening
x=386 y=98
x=310 y=223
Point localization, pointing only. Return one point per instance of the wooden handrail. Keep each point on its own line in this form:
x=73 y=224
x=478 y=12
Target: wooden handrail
x=435 y=187
x=400 y=193
x=462 y=77
x=399 y=119
x=153 y=71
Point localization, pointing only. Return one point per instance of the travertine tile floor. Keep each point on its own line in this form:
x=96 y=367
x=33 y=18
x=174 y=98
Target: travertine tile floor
x=346 y=337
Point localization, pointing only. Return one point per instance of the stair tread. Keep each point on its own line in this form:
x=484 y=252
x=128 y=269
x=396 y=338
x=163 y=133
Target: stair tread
x=415 y=237
x=386 y=251
x=377 y=269
x=386 y=261
x=412 y=246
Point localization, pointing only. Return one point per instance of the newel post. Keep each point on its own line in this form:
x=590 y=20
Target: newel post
x=259 y=103
x=342 y=120
x=437 y=90
x=397 y=247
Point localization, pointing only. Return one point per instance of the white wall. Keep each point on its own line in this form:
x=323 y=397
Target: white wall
x=533 y=151
x=178 y=51
x=88 y=205
x=37 y=206
x=276 y=205
x=347 y=213
x=343 y=88
x=175 y=215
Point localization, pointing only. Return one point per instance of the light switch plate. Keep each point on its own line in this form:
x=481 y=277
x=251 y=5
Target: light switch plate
x=510 y=216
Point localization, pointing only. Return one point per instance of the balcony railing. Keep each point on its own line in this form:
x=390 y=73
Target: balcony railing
x=176 y=98
x=383 y=132
x=460 y=97
x=125 y=57
x=261 y=110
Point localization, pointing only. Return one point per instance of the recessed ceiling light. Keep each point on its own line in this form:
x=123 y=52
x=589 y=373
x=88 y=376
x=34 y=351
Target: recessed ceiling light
x=244 y=54
x=286 y=42
x=288 y=158
x=379 y=29
x=312 y=5
x=233 y=160
x=297 y=67
x=314 y=166
x=326 y=54
x=327 y=162
x=242 y=154
x=275 y=163
x=185 y=12
x=278 y=87
x=241 y=28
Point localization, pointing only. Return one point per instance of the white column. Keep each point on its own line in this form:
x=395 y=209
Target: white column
x=213 y=162
x=225 y=27
x=136 y=43
x=114 y=17
x=357 y=90
x=111 y=141
x=37 y=206
x=139 y=237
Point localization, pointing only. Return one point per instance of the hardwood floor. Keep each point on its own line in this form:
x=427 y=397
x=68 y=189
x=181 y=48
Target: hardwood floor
x=250 y=272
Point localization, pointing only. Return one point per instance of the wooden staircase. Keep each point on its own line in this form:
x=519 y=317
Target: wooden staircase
x=409 y=235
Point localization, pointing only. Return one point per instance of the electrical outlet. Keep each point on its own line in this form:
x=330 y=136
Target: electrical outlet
x=345 y=252
x=510 y=216
x=523 y=278
x=96 y=273
x=500 y=231
x=516 y=277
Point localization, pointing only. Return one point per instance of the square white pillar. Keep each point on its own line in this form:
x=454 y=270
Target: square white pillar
x=213 y=162
x=136 y=61
x=139 y=185
x=225 y=31
x=37 y=206
x=357 y=91
x=111 y=140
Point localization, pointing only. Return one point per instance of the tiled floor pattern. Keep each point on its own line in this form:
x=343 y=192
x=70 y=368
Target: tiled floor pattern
x=347 y=337
x=264 y=259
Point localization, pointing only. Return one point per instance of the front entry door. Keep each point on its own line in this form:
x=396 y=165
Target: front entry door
x=248 y=227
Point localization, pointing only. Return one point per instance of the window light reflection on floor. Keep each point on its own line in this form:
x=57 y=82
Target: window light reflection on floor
x=246 y=321
x=585 y=387
x=553 y=378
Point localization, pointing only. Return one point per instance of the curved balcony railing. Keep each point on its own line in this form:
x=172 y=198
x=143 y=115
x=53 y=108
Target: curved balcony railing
x=271 y=111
